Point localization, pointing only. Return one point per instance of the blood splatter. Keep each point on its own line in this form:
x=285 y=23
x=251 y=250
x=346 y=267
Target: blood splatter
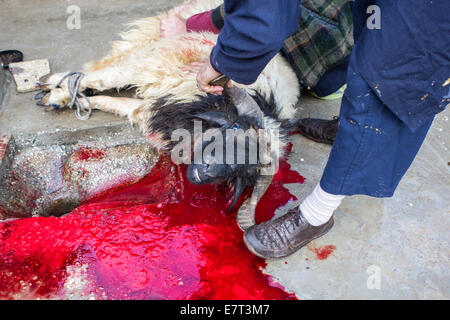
x=161 y=238
x=324 y=252
x=88 y=154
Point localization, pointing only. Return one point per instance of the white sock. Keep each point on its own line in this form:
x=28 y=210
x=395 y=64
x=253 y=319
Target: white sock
x=319 y=206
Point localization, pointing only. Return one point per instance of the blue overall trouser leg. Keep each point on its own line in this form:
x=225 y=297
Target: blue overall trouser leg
x=373 y=148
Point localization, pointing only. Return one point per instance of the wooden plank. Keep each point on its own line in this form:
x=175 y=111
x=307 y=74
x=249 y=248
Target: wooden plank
x=27 y=73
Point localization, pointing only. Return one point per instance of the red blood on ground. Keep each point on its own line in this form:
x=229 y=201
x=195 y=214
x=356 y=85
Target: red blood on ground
x=88 y=154
x=162 y=238
x=268 y=204
x=323 y=252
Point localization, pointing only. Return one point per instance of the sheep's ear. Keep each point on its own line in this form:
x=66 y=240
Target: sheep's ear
x=239 y=187
x=219 y=118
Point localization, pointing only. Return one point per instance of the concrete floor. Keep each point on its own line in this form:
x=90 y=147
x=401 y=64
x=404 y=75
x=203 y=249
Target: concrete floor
x=404 y=239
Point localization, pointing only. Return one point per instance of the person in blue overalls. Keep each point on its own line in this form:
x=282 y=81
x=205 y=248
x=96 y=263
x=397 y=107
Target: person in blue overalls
x=398 y=79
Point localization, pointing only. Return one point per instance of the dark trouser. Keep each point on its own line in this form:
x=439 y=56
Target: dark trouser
x=373 y=148
x=332 y=80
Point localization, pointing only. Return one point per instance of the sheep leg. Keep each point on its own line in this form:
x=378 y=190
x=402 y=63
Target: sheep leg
x=58 y=96
x=123 y=107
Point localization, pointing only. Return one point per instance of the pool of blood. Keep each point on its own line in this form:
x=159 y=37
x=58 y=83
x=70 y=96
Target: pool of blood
x=161 y=238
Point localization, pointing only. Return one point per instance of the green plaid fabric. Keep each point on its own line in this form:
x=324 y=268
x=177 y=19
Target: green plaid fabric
x=324 y=37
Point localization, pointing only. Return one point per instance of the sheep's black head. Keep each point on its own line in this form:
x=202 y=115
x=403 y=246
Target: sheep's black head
x=231 y=113
x=235 y=158
x=231 y=153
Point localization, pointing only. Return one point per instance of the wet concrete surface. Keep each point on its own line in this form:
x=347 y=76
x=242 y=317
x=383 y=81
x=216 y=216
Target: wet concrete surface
x=403 y=239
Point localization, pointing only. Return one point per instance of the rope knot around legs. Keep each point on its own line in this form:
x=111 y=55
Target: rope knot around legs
x=73 y=85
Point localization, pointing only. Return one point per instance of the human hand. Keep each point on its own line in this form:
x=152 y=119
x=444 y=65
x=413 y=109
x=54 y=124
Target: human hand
x=172 y=25
x=205 y=75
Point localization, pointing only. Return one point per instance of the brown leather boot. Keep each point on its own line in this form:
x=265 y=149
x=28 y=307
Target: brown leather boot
x=319 y=130
x=283 y=236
